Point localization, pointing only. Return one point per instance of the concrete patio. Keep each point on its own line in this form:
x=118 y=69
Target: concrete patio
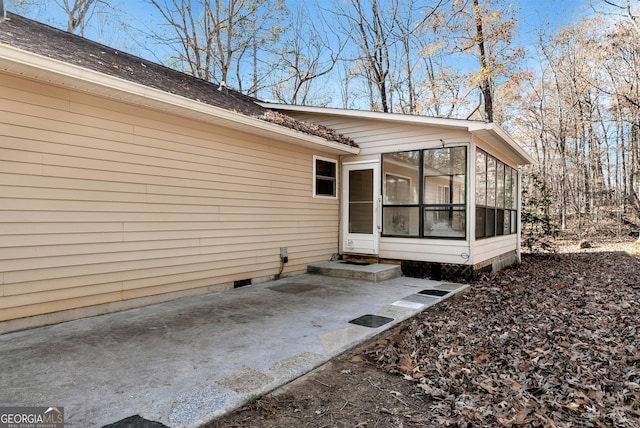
x=185 y=362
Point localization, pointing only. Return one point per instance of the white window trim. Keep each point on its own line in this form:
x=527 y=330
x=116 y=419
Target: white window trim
x=315 y=195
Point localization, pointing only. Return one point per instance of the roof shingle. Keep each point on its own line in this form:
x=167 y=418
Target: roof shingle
x=41 y=39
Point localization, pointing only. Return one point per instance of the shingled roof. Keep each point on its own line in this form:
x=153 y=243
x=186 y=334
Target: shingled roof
x=42 y=39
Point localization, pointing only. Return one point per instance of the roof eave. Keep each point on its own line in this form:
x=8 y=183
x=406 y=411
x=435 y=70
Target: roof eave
x=38 y=67
x=472 y=126
x=376 y=115
x=501 y=134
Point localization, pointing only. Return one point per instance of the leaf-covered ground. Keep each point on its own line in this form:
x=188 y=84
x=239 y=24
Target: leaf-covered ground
x=553 y=343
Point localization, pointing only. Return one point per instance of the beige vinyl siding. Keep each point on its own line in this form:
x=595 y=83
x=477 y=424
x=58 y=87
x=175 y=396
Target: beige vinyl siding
x=102 y=201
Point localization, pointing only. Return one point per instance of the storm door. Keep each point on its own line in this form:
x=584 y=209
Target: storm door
x=361 y=205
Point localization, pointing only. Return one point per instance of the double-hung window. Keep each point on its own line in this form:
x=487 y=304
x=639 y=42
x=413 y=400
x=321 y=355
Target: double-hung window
x=424 y=193
x=325 y=178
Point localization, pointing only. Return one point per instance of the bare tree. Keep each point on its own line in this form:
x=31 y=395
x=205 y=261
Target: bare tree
x=624 y=8
x=22 y=7
x=308 y=55
x=78 y=13
x=349 y=94
x=189 y=35
x=484 y=29
x=583 y=118
x=210 y=38
x=623 y=69
x=369 y=24
x=383 y=38
x=258 y=26
x=412 y=41
x=485 y=78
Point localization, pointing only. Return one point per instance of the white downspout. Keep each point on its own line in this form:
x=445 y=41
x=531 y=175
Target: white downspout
x=340 y=173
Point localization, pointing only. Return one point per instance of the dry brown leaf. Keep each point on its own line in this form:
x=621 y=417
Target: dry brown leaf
x=556 y=340
x=406 y=365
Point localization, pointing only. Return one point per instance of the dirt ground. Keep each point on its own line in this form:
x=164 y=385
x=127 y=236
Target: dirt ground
x=349 y=391
x=552 y=343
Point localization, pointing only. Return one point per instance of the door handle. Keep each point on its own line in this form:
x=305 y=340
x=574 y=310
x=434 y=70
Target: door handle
x=379 y=209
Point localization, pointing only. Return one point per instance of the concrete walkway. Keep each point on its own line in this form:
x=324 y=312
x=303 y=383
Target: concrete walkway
x=184 y=362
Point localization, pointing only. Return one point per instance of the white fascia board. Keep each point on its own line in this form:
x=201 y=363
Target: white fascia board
x=28 y=64
x=503 y=135
x=391 y=117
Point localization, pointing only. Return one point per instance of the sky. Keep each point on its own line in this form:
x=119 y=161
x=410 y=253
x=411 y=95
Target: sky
x=557 y=14
x=534 y=15
x=554 y=15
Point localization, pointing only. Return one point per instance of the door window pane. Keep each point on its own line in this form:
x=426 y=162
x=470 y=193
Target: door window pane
x=361 y=201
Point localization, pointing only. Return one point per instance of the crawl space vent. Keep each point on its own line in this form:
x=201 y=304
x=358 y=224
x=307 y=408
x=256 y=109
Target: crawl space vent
x=373 y=321
x=438 y=293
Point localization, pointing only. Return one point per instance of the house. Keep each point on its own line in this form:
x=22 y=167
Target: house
x=440 y=192
x=124 y=183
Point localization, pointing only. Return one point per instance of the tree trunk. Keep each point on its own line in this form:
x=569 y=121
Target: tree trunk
x=485 y=82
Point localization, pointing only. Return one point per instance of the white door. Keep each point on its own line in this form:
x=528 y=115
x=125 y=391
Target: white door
x=361 y=204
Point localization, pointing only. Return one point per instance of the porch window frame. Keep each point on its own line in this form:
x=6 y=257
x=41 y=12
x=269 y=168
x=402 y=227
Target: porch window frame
x=423 y=207
x=498 y=219
x=317 y=177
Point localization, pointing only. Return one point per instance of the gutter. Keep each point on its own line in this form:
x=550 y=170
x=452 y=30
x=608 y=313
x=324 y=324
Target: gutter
x=367 y=114
x=28 y=64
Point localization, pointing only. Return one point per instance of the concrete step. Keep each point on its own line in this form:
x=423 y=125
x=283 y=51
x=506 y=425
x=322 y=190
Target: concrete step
x=374 y=272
